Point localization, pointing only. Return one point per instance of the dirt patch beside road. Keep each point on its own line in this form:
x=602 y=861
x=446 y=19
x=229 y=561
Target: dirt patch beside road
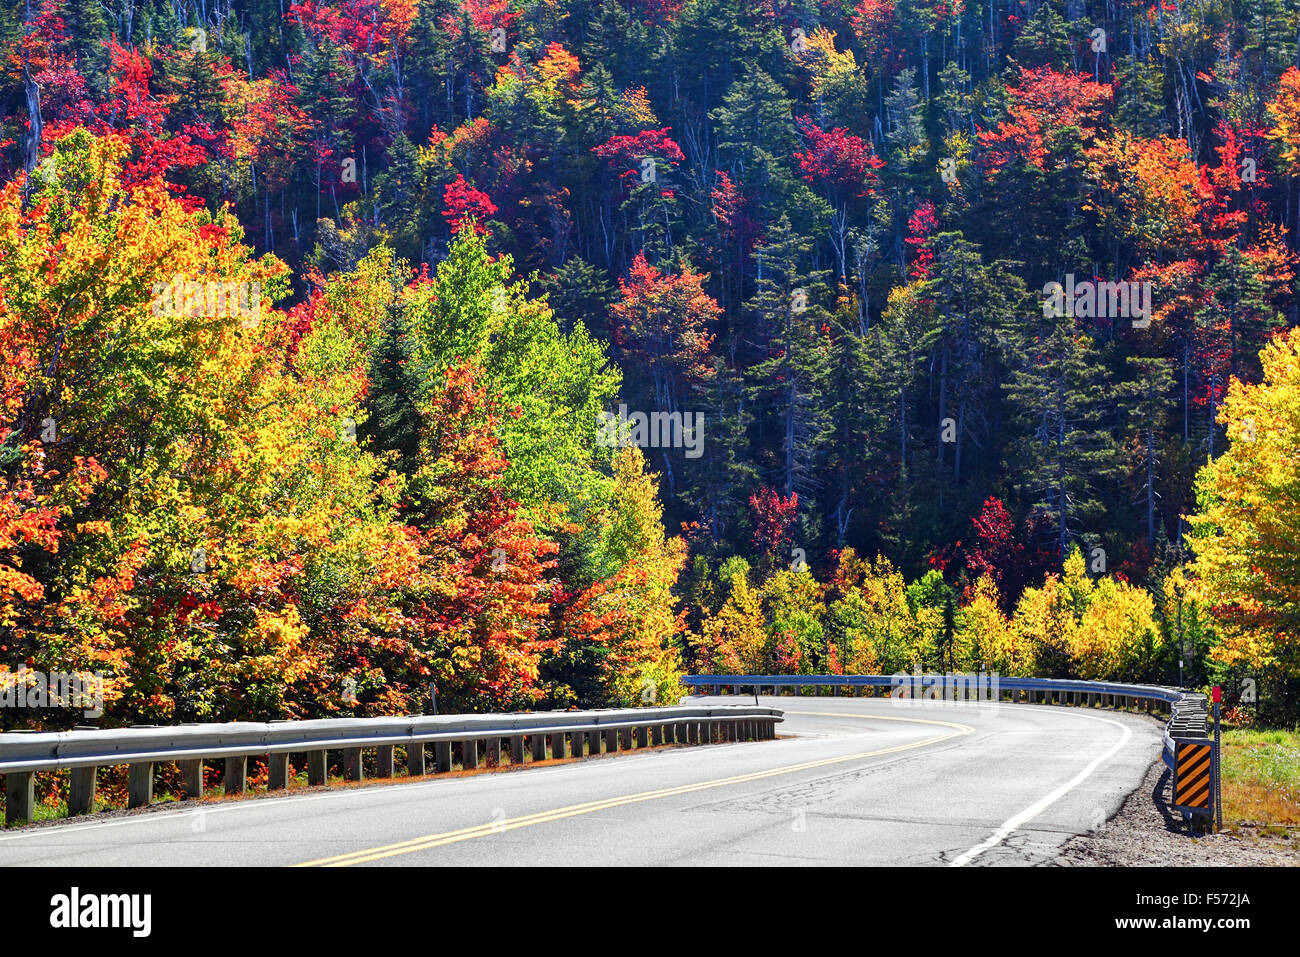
x=1146 y=832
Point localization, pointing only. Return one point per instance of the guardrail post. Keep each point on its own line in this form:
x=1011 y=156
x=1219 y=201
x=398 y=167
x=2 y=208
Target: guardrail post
x=516 y=749
x=277 y=770
x=494 y=752
x=442 y=756
x=316 y=767
x=81 y=791
x=642 y=736
x=139 y=784
x=236 y=774
x=415 y=759
x=731 y=731
x=657 y=734
x=20 y=797
x=352 y=764
x=384 y=761
x=539 y=747
x=558 y=750
x=469 y=754
x=625 y=739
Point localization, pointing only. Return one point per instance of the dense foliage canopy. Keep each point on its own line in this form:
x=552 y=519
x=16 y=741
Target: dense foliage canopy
x=312 y=313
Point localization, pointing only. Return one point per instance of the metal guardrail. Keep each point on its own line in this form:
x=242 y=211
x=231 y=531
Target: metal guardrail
x=568 y=733
x=1034 y=690
x=1186 y=735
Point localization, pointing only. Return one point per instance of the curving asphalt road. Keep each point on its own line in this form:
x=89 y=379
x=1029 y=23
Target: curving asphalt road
x=851 y=781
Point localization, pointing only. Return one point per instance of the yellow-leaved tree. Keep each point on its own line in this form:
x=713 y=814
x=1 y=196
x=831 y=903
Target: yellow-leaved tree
x=987 y=631
x=735 y=640
x=1246 y=534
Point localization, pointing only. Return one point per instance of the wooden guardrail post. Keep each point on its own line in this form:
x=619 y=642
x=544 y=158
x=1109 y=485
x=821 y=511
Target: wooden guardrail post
x=191 y=779
x=277 y=771
x=352 y=769
x=516 y=749
x=469 y=754
x=625 y=739
x=384 y=761
x=442 y=756
x=81 y=791
x=139 y=784
x=236 y=774
x=642 y=736
x=657 y=734
x=415 y=759
x=558 y=750
x=20 y=797
x=316 y=767
x=611 y=741
x=494 y=752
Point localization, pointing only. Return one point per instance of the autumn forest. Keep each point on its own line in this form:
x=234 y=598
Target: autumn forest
x=532 y=353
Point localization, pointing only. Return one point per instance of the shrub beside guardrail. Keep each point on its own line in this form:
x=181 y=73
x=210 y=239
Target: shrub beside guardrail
x=567 y=733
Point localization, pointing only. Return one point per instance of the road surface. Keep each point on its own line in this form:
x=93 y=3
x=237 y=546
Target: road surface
x=851 y=781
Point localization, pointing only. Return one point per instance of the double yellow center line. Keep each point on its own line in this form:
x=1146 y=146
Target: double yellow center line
x=430 y=841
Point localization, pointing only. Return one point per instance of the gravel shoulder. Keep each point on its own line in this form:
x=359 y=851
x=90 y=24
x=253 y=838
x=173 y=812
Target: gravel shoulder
x=1147 y=833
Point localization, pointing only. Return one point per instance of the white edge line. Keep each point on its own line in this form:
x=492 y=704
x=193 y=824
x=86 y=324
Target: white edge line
x=1042 y=804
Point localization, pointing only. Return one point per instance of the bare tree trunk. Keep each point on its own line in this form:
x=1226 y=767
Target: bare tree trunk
x=34 y=116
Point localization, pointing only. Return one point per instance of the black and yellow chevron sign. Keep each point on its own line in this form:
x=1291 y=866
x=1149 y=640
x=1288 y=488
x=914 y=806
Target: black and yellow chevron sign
x=1192 y=778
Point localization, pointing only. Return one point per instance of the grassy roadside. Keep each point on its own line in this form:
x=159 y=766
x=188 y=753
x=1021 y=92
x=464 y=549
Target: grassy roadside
x=1261 y=778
